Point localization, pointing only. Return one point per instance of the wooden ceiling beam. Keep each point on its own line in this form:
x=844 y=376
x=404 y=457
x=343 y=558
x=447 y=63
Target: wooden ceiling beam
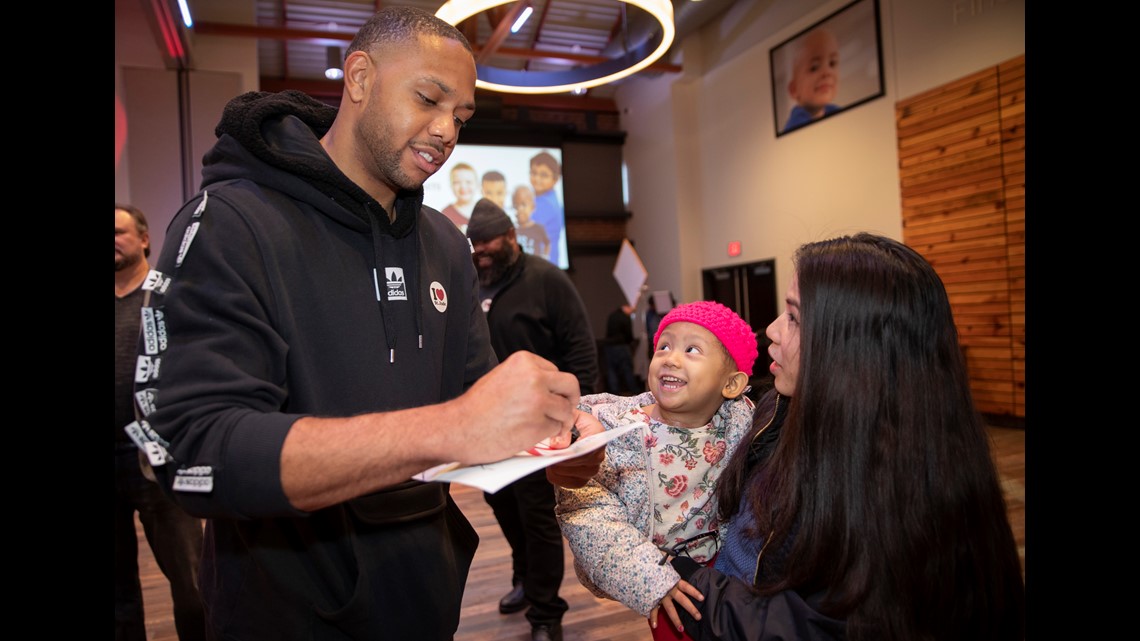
x=334 y=89
x=317 y=35
x=502 y=29
x=269 y=33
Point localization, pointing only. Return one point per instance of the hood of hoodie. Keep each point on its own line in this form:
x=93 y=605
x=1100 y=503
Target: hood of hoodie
x=274 y=139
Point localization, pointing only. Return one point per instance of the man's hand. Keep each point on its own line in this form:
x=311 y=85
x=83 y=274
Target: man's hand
x=576 y=472
x=325 y=461
x=524 y=400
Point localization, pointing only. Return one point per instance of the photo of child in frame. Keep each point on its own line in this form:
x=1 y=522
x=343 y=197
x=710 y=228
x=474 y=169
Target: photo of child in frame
x=831 y=66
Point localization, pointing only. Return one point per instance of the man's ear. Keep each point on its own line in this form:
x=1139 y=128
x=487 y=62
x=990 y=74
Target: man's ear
x=735 y=385
x=358 y=68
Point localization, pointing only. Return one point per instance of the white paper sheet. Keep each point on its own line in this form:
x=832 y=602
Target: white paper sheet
x=492 y=477
x=629 y=272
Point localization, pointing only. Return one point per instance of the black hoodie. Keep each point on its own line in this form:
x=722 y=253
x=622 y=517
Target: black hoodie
x=285 y=292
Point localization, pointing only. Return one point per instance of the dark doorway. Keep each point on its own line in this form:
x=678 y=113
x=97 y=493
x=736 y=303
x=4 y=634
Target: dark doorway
x=749 y=290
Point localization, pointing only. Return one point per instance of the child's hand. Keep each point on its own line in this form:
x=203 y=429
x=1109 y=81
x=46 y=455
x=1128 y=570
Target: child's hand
x=680 y=594
x=576 y=472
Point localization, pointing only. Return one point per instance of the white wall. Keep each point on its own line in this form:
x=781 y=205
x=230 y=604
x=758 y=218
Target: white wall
x=943 y=40
x=226 y=53
x=154 y=160
x=651 y=158
x=705 y=166
x=134 y=47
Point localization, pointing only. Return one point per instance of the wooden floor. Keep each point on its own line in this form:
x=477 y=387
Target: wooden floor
x=589 y=618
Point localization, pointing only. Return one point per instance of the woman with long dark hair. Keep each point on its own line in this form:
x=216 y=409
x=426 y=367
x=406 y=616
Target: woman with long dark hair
x=865 y=504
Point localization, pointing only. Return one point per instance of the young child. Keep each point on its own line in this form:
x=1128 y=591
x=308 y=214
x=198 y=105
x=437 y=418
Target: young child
x=815 y=78
x=463 y=186
x=494 y=188
x=545 y=172
x=654 y=495
x=531 y=236
x=866 y=504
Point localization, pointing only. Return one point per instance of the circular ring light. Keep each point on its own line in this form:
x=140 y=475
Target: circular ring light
x=533 y=82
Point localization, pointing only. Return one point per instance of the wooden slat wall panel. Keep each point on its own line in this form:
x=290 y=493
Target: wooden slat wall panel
x=962 y=184
x=1011 y=87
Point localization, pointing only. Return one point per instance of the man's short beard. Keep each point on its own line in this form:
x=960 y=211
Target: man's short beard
x=385 y=156
x=127 y=261
x=501 y=263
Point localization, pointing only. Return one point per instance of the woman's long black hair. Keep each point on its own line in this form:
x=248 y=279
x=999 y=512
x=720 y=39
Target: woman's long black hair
x=882 y=469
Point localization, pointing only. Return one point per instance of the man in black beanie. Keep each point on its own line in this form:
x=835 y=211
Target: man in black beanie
x=531 y=305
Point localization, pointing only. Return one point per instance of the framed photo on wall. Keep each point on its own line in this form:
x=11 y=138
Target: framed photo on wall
x=828 y=68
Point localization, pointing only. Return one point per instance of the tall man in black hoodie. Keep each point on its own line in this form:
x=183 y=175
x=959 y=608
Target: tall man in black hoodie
x=318 y=340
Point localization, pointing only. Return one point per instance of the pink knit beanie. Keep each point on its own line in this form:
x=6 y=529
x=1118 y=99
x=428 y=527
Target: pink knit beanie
x=729 y=328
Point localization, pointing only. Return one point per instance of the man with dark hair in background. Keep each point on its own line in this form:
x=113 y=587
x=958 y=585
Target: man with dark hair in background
x=174 y=536
x=325 y=344
x=531 y=306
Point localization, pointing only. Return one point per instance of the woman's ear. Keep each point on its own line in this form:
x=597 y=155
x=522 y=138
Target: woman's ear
x=735 y=385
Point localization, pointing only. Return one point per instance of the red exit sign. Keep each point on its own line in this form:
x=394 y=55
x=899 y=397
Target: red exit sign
x=734 y=248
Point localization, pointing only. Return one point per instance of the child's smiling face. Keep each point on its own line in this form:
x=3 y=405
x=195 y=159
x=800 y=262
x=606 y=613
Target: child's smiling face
x=542 y=178
x=495 y=191
x=689 y=374
x=815 y=79
x=463 y=185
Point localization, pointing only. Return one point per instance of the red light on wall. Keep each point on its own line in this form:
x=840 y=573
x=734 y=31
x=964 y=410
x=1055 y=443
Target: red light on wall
x=120 y=129
x=170 y=34
x=734 y=248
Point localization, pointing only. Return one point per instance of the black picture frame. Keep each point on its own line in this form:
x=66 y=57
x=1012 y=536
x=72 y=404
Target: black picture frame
x=850 y=42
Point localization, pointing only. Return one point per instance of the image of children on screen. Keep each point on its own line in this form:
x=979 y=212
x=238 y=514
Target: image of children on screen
x=525 y=181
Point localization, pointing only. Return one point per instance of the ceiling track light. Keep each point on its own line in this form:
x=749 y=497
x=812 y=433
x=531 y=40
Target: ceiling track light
x=522 y=19
x=537 y=82
x=334 y=63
